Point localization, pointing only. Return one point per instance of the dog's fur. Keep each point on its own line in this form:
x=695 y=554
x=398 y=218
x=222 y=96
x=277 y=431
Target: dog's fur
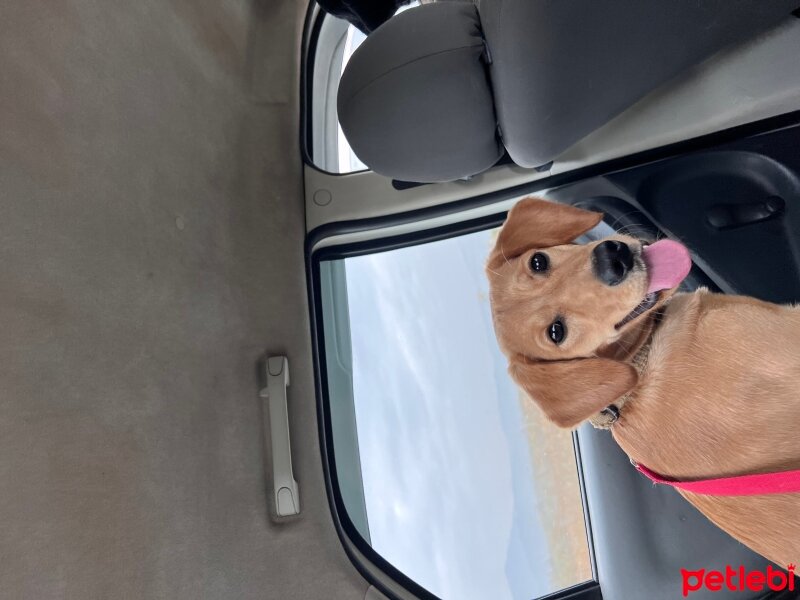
x=719 y=394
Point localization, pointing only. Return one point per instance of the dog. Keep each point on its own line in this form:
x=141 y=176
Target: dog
x=693 y=385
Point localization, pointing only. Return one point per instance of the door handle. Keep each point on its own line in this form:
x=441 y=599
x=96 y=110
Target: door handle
x=729 y=216
x=284 y=487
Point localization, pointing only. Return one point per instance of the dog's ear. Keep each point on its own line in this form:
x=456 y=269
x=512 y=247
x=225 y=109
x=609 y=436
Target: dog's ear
x=571 y=391
x=537 y=223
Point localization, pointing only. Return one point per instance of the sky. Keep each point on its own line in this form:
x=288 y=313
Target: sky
x=445 y=461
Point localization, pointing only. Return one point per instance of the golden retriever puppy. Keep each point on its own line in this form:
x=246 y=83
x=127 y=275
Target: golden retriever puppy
x=693 y=386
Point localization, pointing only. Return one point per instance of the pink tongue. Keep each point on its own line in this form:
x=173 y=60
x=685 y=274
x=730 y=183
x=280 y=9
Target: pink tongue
x=668 y=263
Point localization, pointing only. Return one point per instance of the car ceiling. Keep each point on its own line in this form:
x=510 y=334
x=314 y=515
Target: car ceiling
x=152 y=224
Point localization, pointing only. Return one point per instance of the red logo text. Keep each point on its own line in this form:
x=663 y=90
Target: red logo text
x=738 y=580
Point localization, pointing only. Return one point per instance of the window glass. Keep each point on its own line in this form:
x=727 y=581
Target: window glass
x=445 y=467
x=336 y=43
x=346 y=159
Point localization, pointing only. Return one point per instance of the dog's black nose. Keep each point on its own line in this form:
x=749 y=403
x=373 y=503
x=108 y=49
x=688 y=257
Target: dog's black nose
x=612 y=261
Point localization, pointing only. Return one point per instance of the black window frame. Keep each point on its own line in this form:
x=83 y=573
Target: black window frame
x=311 y=30
x=589 y=590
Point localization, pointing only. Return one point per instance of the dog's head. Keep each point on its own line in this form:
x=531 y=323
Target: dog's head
x=560 y=308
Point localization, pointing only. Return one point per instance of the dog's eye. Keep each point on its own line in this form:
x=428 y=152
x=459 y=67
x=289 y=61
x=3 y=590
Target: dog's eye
x=539 y=262
x=557 y=331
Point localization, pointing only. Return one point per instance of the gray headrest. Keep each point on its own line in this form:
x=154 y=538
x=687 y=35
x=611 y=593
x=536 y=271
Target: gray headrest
x=415 y=100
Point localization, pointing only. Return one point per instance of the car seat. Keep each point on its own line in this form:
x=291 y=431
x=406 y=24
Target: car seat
x=442 y=91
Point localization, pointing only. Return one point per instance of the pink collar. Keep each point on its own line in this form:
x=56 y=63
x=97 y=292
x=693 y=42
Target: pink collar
x=782 y=482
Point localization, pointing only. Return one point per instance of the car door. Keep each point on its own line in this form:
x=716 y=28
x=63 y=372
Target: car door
x=428 y=446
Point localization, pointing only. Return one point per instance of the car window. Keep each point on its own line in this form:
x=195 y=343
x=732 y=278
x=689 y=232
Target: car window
x=336 y=42
x=346 y=159
x=445 y=468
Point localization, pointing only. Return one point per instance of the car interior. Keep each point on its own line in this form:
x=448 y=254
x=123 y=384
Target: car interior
x=247 y=347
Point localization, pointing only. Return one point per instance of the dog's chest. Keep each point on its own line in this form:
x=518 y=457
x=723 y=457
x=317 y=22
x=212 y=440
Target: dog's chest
x=708 y=401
